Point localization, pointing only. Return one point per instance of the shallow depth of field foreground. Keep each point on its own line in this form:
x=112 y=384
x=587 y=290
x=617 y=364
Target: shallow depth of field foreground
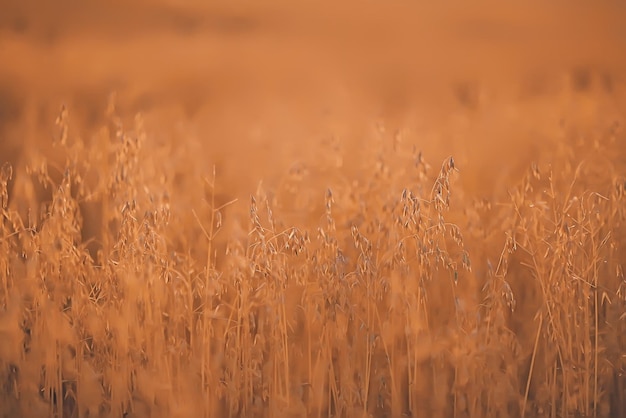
x=231 y=212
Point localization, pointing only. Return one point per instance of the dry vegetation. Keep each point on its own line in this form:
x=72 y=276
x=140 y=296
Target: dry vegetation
x=469 y=264
x=389 y=293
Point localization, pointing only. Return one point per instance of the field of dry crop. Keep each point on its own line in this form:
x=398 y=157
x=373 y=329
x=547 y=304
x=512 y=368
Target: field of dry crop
x=271 y=209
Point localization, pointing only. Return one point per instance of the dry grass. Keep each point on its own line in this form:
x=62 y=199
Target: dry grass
x=128 y=288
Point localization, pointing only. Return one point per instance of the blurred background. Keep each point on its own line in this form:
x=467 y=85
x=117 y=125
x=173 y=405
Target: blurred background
x=259 y=85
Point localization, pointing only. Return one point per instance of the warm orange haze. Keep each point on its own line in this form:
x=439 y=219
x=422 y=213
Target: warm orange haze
x=312 y=209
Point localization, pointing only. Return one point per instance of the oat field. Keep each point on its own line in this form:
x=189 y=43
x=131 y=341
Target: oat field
x=236 y=209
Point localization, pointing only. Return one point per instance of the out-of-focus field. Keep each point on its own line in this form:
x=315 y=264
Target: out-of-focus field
x=312 y=209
